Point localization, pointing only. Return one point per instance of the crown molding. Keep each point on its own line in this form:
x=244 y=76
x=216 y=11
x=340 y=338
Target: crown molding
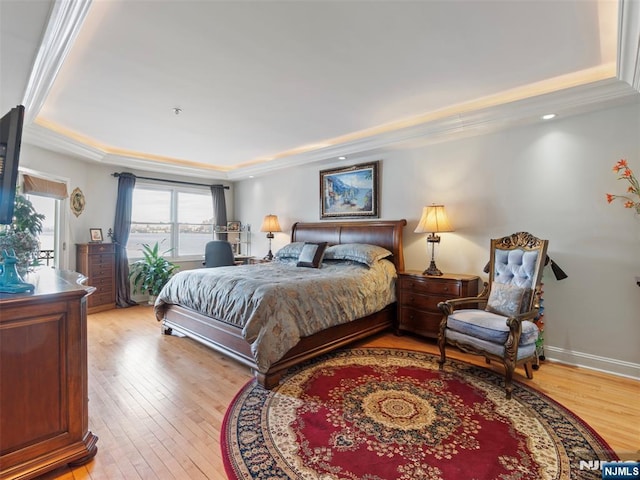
x=48 y=139
x=161 y=167
x=64 y=23
x=629 y=43
x=43 y=137
x=571 y=101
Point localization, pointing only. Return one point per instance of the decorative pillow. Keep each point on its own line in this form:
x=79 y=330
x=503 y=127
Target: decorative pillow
x=358 y=252
x=311 y=255
x=292 y=250
x=505 y=299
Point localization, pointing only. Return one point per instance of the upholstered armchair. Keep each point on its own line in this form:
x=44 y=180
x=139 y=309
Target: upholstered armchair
x=499 y=323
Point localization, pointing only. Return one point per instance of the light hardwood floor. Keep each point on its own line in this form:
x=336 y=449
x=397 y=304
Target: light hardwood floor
x=157 y=402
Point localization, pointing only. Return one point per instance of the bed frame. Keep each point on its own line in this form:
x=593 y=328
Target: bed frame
x=227 y=339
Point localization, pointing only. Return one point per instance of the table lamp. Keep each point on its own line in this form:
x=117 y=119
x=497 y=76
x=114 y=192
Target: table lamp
x=270 y=224
x=434 y=220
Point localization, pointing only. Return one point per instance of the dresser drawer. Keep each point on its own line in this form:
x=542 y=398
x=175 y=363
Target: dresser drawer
x=106 y=271
x=446 y=287
x=96 y=260
x=101 y=282
x=101 y=299
x=99 y=248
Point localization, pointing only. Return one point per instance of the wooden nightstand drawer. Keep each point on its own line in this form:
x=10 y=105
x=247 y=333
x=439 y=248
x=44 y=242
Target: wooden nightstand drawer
x=419 y=295
x=420 y=322
x=443 y=287
x=421 y=302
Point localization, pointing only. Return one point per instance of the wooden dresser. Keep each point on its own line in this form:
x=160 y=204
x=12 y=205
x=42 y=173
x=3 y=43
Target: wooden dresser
x=419 y=295
x=44 y=420
x=97 y=262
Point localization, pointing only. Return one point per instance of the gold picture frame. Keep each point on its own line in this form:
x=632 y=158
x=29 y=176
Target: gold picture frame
x=350 y=192
x=77 y=201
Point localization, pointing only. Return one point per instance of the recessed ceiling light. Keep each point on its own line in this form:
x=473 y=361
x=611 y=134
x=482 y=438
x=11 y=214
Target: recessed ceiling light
x=549 y=116
x=342 y=158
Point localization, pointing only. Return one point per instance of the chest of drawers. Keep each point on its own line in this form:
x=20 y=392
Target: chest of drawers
x=96 y=261
x=419 y=295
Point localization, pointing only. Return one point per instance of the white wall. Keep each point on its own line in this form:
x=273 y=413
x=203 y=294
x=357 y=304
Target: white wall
x=549 y=179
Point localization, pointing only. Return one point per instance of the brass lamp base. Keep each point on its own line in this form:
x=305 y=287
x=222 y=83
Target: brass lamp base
x=269 y=256
x=432 y=270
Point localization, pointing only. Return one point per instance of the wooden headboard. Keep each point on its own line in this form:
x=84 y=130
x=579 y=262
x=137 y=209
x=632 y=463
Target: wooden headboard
x=385 y=233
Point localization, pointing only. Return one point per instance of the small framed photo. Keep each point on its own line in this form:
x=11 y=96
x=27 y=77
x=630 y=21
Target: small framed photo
x=233 y=226
x=96 y=235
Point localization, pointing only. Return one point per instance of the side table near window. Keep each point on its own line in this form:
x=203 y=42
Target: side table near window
x=96 y=261
x=419 y=295
x=256 y=260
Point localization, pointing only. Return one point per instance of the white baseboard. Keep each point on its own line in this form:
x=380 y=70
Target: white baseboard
x=593 y=362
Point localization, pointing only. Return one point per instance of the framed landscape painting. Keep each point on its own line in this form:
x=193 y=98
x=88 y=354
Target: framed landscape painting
x=350 y=192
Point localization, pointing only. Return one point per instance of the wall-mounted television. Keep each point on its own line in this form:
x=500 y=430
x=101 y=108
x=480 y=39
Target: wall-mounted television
x=10 y=141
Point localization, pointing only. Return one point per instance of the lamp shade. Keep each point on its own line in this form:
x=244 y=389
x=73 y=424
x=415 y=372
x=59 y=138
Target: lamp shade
x=270 y=224
x=434 y=219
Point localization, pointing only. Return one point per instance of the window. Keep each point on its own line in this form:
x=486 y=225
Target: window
x=179 y=218
x=48 y=237
x=48 y=194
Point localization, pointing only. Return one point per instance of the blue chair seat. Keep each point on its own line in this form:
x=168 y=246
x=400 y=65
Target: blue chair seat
x=489 y=326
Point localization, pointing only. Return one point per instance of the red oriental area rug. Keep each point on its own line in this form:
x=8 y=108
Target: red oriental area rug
x=373 y=414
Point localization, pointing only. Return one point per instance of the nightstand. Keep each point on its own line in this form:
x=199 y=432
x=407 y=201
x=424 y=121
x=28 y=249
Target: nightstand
x=419 y=295
x=256 y=260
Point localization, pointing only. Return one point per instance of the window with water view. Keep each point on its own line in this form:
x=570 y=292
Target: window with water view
x=180 y=219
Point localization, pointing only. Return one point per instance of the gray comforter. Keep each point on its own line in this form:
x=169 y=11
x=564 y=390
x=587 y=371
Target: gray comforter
x=277 y=303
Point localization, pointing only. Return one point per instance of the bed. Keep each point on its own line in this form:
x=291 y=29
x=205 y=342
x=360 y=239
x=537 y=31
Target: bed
x=224 y=336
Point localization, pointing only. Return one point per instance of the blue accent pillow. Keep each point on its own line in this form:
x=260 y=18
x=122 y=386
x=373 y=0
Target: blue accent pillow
x=291 y=250
x=311 y=255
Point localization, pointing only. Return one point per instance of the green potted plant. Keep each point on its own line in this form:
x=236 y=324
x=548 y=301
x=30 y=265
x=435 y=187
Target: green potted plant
x=22 y=235
x=152 y=272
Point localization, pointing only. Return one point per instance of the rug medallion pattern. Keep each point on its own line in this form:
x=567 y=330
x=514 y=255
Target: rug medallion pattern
x=373 y=414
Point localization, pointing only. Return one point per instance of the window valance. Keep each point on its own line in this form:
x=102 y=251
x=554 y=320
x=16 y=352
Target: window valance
x=44 y=187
